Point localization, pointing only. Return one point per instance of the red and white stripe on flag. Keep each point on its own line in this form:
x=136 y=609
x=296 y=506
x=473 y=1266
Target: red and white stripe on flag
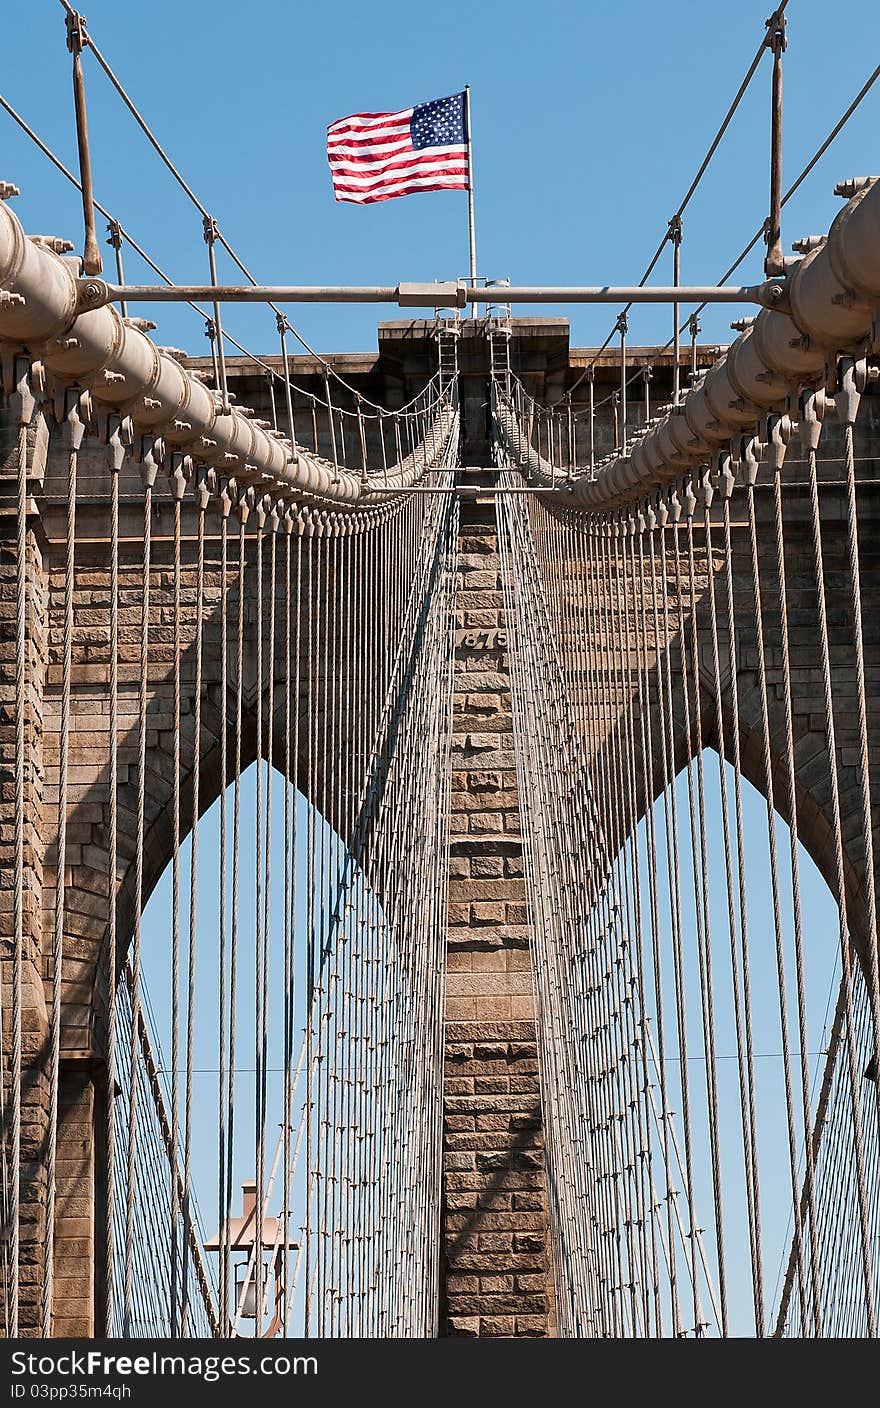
x=379 y=155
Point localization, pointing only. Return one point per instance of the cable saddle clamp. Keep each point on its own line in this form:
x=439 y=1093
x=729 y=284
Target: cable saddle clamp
x=439 y=295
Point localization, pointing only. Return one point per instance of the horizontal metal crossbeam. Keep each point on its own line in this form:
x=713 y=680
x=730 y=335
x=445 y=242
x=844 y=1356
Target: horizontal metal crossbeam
x=473 y=491
x=95 y=293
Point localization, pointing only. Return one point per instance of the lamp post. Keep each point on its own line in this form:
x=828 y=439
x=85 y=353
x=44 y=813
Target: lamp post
x=239 y=1234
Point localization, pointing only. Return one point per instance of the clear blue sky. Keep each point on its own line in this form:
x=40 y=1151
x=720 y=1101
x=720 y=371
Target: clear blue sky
x=589 y=121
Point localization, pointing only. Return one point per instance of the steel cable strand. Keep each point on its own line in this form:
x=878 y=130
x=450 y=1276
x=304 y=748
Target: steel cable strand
x=151 y=1295
x=149 y=475
x=397 y=670
x=11 y=1300
x=741 y=871
x=597 y=899
x=609 y=931
x=147 y=1068
x=848 y=415
x=713 y=147
x=606 y=916
x=225 y=1249
x=653 y=1202
x=774 y=888
x=709 y=1023
x=401 y=1002
x=512 y=627
x=701 y=913
x=673 y=860
x=573 y=829
x=178 y=486
x=551 y=1081
x=420 y=724
x=311 y=597
x=222 y=1177
x=202 y=502
x=270 y=1183
x=664 y=1125
x=618 y=848
x=803 y=1030
x=291 y=761
x=267 y=888
x=432 y=849
x=627 y=590
x=620 y=852
x=543 y=596
x=75 y=429
x=630 y=977
x=261 y=975
x=594 y=1118
x=632 y=991
x=830 y=1139
x=441 y=867
x=841 y=897
x=115 y=464
x=601 y=899
x=601 y=1118
x=146 y=1277
x=558 y=725
x=743 y=1041
x=203 y=211
x=635 y=973
x=647 y=752
x=616 y=866
x=358 y=1192
x=341 y=1006
x=325 y=992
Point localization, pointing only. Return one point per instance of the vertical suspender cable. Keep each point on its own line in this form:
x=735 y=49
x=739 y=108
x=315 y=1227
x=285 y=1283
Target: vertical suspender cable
x=847 y=402
x=774 y=874
x=202 y=504
x=178 y=488
x=758 y=1285
x=243 y=513
x=149 y=478
x=701 y=881
x=75 y=429
x=267 y=895
x=26 y=408
x=258 y=935
x=810 y=429
x=674 y=235
x=740 y=1005
x=117 y=457
x=803 y=1029
x=290 y=713
x=225 y=507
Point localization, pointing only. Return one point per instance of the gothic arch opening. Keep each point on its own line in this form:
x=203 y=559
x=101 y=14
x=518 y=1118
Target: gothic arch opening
x=291 y=1011
x=687 y=935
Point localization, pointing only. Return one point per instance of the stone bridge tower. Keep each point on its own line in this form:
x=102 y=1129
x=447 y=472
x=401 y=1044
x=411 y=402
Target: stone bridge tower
x=498 y=1258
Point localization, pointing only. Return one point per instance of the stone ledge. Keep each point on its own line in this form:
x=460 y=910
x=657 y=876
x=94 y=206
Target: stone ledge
x=489 y=984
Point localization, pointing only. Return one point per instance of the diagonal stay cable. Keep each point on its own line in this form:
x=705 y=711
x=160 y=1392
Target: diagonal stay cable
x=196 y=308
x=746 y=251
x=202 y=209
x=701 y=171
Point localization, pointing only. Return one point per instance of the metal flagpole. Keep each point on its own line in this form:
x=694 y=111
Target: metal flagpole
x=472 y=234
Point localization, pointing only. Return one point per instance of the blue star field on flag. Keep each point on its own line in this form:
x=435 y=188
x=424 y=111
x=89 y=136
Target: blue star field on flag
x=439 y=123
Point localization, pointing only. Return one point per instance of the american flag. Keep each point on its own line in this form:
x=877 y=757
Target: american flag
x=380 y=155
